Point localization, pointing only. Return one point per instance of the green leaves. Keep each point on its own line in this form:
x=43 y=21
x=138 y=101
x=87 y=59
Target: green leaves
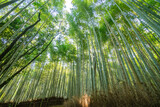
x=63 y=50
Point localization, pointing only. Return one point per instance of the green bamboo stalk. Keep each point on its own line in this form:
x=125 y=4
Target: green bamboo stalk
x=7 y=4
x=14 y=17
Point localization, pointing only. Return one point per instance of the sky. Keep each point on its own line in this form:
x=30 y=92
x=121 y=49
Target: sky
x=68 y=5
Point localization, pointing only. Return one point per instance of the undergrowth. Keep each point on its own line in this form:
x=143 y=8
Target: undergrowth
x=120 y=97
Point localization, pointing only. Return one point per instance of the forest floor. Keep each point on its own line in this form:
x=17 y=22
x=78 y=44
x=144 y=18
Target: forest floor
x=128 y=97
x=57 y=106
x=118 y=98
x=47 y=102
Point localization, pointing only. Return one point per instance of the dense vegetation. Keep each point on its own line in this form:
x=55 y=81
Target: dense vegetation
x=107 y=48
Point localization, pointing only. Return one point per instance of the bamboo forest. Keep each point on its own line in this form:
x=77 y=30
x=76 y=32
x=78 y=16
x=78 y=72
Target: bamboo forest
x=79 y=53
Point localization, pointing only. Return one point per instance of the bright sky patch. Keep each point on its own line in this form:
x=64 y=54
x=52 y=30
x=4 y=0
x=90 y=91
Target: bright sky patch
x=68 y=4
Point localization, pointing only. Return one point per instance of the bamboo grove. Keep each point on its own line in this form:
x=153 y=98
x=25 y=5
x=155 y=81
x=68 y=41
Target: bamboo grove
x=101 y=45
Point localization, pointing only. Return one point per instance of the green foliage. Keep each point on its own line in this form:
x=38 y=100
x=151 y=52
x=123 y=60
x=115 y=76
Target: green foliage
x=63 y=50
